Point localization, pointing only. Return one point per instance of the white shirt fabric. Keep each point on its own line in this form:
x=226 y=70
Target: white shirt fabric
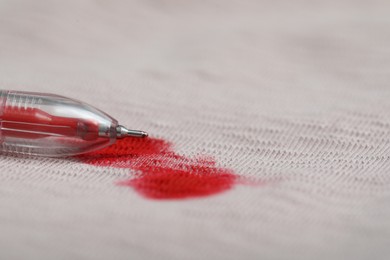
x=294 y=94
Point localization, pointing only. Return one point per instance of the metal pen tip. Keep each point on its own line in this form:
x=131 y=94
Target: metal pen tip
x=122 y=132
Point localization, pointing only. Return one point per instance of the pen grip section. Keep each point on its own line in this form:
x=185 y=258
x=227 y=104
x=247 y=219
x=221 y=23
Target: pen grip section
x=51 y=125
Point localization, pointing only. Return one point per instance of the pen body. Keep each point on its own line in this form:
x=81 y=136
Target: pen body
x=51 y=125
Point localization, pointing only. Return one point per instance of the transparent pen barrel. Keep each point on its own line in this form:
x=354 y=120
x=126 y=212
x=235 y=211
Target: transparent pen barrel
x=51 y=125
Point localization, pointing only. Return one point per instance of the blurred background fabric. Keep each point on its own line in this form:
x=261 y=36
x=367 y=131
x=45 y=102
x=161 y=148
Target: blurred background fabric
x=292 y=94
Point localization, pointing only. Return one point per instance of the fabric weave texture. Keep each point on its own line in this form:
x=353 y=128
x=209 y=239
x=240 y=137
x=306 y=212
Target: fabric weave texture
x=292 y=96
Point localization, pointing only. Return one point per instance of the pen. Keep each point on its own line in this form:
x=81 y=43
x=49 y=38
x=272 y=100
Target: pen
x=51 y=125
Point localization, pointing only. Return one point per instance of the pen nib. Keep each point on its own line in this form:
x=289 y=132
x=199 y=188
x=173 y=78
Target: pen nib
x=122 y=132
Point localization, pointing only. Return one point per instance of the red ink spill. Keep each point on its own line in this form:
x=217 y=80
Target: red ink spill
x=163 y=174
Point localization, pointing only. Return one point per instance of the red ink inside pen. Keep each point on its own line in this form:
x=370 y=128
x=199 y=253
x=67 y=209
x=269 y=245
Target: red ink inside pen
x=160 y=172
x=33 y=123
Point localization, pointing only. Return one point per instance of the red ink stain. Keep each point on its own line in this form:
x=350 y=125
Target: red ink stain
x=161 y=173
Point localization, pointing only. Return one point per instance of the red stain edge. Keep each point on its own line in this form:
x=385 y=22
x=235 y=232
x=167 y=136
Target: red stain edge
x=161 y=173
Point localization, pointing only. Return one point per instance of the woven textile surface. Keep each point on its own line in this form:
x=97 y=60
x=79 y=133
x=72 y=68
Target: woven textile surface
x=292 y=97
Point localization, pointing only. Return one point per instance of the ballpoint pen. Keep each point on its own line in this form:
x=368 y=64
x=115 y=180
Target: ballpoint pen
x=54 y=126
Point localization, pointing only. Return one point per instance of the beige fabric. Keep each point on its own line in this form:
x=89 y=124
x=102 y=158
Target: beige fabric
x=292 y=93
